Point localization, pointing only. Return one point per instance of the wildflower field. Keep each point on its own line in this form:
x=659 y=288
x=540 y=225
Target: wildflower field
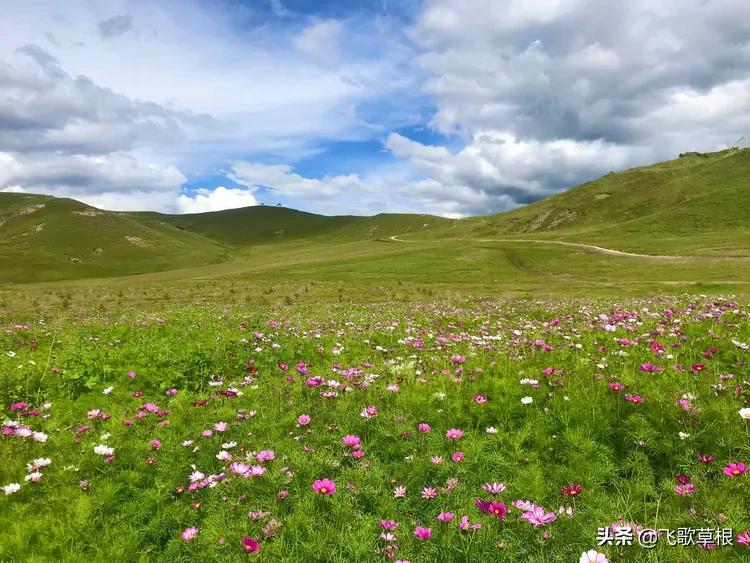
x=465 y=430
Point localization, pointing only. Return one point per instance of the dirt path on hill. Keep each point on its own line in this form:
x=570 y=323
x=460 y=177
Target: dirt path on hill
x=589 y=247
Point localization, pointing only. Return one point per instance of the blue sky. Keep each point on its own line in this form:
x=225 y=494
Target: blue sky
x=437 y=106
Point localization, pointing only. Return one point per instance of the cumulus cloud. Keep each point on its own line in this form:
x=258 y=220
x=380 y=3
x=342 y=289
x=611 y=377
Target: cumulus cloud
x=215 y=200
x=550 y=93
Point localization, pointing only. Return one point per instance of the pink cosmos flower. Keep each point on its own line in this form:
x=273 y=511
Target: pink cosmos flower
x=454 y=434
x=399 y=492
x=423 y=534
x=458 y=457
x=634 y=398
x=537 y=516
x=703 y=458
x=352 y=441
x=324 y=486
x=221 y=426
x=464 y=525
x=648 y=367
x=389 y=525
x=155 y=444
x=494 y=488
x=250 y=545
x=131 y=374
x=370 y=411
x=593 y=556
x=446 y=516
x=492 y=507
x=436 y=460
x=684 y=490
x=524 y=505
x=735 y=469
x=429 y=493
x=423 y=427
x=304 y=419
x=265 y=455
x=189 y=534
x=480 y=399
x=743 y=538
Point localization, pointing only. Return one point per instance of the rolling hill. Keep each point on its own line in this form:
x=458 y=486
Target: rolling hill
x=696 y=205
x=45 y=238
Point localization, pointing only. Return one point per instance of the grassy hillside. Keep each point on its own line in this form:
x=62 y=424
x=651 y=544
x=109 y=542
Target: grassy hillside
x=44 y=238
x=262 y=224
x=696 y=204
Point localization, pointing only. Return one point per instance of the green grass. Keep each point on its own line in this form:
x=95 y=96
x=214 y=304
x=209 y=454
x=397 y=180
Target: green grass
x=625 y=456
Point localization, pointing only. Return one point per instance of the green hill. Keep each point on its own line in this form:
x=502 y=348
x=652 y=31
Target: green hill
x=696 y=204
x=263 y=224
x=45 y=238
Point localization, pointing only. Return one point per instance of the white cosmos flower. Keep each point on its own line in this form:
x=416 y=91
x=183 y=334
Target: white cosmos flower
x=745 y=413
x=11 y=488
x=491 y=430
x=108 y=390
x=527 y=400
x=101 y=449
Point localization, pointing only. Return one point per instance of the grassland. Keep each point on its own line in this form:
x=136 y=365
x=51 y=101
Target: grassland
x=157 y=372
x=198 y=433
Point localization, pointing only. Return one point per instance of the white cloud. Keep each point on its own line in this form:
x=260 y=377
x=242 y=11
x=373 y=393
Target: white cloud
x=320 y=40
x=215 y=200
x=547 y=94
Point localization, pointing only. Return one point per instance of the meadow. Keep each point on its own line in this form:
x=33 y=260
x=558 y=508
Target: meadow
x=451 y=429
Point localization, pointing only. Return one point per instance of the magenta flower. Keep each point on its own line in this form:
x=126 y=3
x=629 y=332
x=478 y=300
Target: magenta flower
x=648 y=367
x=743 y=538
x=250 y=545
x=324 y=486
x=735 y=469
x=265 y=455
x=703 y=458
x=423 y=427
x=493 y=507
x=189 y=534
x=155 y=444
x=538 y=517
x=304 y=419
x=454 y=434
x=572 y=489
x=352 y=441
x=458 y=457
x=423 y=534
x=634 y=398
x=446 y=516
x=389 y=525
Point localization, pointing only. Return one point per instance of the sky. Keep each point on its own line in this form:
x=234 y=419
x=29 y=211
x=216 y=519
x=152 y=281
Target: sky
x=448 y=107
